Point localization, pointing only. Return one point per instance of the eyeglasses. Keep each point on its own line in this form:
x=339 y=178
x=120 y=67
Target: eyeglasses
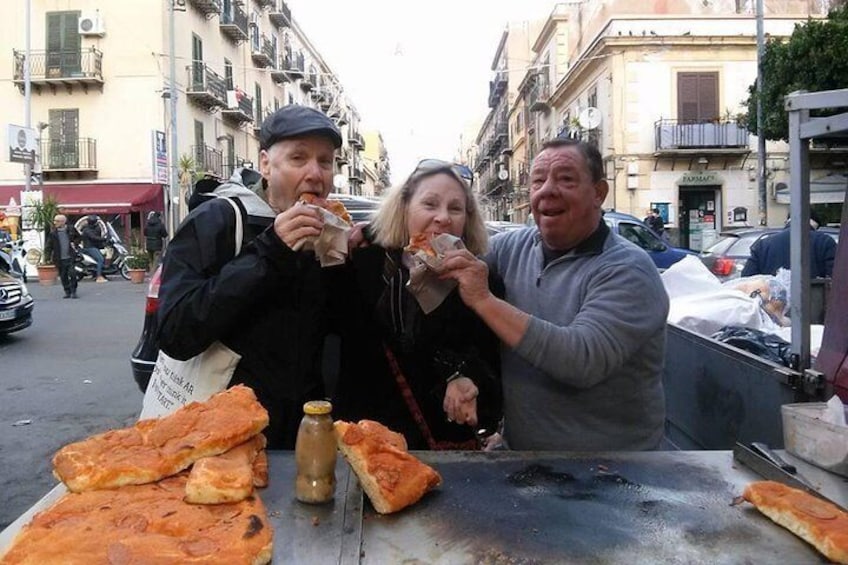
x=430 y=165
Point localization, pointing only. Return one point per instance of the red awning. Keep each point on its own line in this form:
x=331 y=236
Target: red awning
x=96 y=198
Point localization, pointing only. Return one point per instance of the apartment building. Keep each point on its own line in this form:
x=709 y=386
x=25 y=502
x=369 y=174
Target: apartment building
x=658 y=88
x=101 y=97
x=375 y=162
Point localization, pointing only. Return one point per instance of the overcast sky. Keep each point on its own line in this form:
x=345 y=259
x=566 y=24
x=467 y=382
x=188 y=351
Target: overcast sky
x=417 y=71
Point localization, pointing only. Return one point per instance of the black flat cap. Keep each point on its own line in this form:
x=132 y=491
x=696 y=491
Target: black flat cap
x=295 y=121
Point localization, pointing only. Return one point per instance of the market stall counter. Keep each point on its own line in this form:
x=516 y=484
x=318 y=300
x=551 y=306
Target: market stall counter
x=529 y=507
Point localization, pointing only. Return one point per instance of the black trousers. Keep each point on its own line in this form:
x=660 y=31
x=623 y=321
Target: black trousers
x=67 y=275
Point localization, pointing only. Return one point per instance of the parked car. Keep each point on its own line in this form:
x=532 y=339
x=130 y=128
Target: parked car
x=144 y=354
x=636 y=231
x=498 y=226
x=16 y=303
x=727 y=256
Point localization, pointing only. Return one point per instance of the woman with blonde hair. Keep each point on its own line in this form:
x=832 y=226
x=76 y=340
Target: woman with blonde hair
x=433 y=377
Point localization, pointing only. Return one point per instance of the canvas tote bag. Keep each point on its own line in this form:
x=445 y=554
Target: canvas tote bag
x=174 y=383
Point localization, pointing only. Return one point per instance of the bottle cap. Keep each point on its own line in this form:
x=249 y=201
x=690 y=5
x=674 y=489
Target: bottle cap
x=317 y=407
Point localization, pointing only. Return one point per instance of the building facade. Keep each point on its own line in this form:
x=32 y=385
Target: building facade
x=101 y=97
x=659 y=89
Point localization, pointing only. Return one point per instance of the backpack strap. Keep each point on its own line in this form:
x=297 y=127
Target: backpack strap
x=239 y=235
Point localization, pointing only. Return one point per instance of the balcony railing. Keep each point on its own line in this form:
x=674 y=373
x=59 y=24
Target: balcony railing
x=278 y=70
x=242 y=111
x=205 y=87
x=280 y=15
x=230 y=168
x=207 y=7
x=261 y=114
x=356 y=174
x=65 y=67
x=69 y=155
x=208 y=160
x=234 y=23
x=672 y=135
x=539 y=94
x=356 y=140
x=294 y=65
x=310 y=80
x=265 y=3
x=262 y=50
x=496 y=88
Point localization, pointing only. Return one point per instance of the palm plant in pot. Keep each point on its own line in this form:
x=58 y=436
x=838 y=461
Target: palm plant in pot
x=40 y=216
x=137 y=263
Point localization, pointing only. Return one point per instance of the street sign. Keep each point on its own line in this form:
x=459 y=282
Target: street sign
x=160 y=158
x=21 y=144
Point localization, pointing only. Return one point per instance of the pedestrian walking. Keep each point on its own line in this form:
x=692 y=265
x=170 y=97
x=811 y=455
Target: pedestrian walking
x=154 y=234
x=61 y=248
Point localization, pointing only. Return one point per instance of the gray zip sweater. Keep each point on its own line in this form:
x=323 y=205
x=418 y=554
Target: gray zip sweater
x=587 y=374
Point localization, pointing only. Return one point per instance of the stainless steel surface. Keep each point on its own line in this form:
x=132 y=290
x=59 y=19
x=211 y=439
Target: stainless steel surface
x=659 y=507
x=765 y=451
x=525 y=507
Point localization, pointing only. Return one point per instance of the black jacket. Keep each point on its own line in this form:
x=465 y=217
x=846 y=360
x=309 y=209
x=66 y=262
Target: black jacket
x=91 y=236
x=154 y=233
x=772 y=252
x=52 y=244
x=265 y=304
x=429 y=349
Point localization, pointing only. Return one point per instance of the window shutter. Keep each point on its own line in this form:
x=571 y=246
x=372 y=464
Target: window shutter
x=708 y=96
x=697 y=97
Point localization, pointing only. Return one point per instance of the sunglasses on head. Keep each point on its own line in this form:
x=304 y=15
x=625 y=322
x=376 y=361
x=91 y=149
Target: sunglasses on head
x=461 y=171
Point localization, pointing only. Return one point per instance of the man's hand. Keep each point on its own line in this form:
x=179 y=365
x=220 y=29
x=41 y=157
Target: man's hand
x=460 y=402
x=356 y=238
x=471 y=273
x=298 y=223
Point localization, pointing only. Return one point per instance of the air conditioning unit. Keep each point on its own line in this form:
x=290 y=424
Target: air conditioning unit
x=91 y=24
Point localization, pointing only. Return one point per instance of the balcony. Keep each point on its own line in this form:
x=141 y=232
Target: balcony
x=73 y=155
x=262 y=50
x=68 y=68
x=205 y=87
x=497 y=88
x=278 y=71
x=354 y=138
x=309 y=81
x=234 y=23
x=356 y=174
x=294 y=65
x=207 y=7
x=239 y=107
x=539 y=94
x=342 y=158
x=265 y=3
x=280 y=15
x=676 y=136
x=208 y=160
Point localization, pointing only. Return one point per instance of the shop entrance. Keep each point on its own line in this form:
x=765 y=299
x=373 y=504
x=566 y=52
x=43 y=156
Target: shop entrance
x=697 y=216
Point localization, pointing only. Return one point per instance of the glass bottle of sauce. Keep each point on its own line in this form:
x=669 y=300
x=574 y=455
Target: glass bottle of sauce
x=315 y=454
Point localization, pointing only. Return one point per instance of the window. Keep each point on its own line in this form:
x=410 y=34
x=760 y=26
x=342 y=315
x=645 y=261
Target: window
x=198 y=75
x=63 y=44
x=259 y=117
x=697 y=97
x=592 y=99
x=63 y=150
x=640 y=236
x=228 y=75
x=199 y=147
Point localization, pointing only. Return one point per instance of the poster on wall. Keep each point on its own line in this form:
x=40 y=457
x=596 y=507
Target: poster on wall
x=663 y=207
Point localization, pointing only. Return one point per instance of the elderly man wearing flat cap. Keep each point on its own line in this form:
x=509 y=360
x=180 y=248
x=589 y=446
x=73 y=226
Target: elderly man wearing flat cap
x=266 y=301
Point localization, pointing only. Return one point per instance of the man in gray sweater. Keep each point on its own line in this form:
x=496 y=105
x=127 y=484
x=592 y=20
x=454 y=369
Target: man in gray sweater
x=583 y=319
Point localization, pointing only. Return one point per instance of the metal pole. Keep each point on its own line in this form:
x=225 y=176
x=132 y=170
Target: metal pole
x=27 y=93
x=172 y=90
x=762 y=205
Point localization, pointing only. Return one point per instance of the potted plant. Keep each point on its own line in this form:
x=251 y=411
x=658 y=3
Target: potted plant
x=137 y=265
x=40 y=216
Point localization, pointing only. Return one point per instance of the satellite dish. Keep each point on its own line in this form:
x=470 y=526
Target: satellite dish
x=340 y=181
x=589 y=118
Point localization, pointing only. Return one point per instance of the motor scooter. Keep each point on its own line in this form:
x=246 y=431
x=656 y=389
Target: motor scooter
x=114 y=254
